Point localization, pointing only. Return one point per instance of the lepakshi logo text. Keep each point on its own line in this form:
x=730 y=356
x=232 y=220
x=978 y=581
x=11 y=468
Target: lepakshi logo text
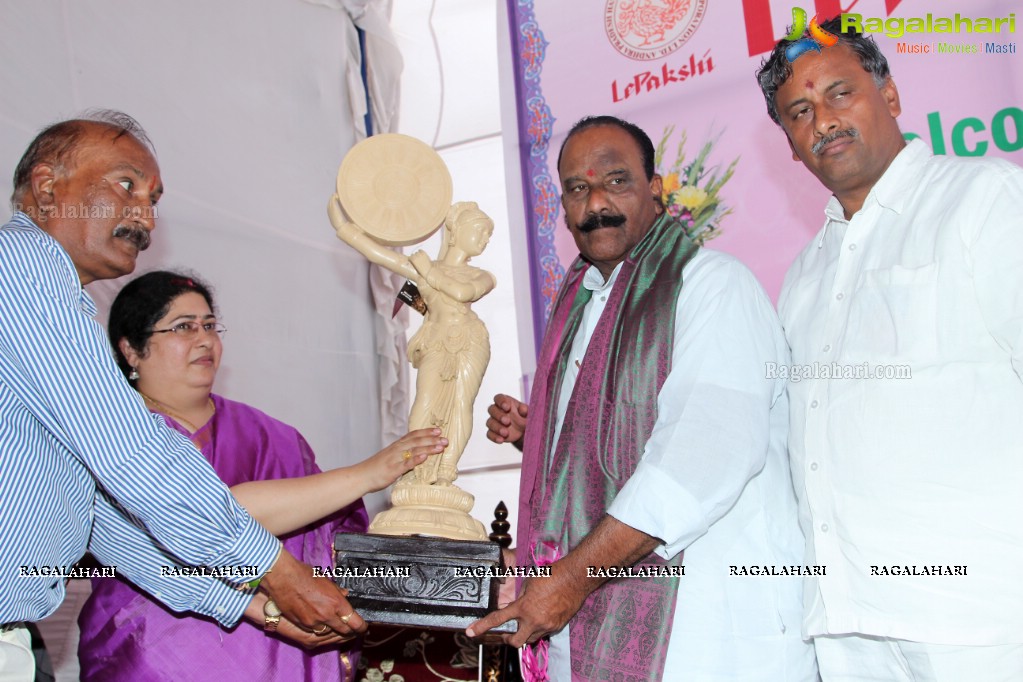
x=670 y=74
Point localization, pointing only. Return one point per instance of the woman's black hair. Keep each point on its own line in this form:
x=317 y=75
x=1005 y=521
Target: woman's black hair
x=141 y=304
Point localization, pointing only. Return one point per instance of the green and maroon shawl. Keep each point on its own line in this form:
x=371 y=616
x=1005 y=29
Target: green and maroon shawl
x=622 y=628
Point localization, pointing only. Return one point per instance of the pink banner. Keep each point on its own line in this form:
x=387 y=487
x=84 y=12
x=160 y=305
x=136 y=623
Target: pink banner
x=687 y=67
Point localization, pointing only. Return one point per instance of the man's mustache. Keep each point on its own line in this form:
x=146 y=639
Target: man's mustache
x=601 y=220
x=818 y=146
x=136 y=235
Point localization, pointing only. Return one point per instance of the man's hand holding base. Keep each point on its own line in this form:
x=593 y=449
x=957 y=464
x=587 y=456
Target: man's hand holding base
x=309 y=602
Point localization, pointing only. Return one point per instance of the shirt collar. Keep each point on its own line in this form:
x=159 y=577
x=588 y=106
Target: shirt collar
x=71 y=283
x=891 y=190
x=594 y=280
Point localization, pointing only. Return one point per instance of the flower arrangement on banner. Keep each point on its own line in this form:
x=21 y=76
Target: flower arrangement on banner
x=690 y=190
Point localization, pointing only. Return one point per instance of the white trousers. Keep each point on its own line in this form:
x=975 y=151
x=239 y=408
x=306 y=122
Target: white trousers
x=16 y=661
x=861 y=658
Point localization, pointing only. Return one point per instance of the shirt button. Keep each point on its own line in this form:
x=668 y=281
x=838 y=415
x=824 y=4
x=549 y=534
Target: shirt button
x=852 y=247
x=219 y=609
x=813 y=466
x=839 y=296
x=603 y=299
x=824 y=528
x=814 y=404
x=827 y=348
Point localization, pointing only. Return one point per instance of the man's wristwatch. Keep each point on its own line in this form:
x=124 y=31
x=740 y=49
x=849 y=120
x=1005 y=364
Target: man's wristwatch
x=271 y=616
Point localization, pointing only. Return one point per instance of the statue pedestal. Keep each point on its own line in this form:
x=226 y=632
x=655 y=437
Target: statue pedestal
x=419 y=581
x=429 y=510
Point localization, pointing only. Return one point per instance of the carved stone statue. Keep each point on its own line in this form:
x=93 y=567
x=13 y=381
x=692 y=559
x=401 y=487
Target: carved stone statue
x=450 y=351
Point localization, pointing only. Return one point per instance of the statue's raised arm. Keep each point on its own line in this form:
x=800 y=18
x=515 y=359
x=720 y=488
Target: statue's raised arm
x=356 y=237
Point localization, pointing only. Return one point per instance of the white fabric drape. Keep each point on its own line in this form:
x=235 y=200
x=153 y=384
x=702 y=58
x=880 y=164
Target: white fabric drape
x=383 y=71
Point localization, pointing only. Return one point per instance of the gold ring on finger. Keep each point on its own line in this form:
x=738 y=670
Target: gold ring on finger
x=322 y=630
x=345 y=619
x=406 y=456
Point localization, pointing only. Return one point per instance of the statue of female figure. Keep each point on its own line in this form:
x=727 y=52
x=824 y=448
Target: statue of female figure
x=452 y=348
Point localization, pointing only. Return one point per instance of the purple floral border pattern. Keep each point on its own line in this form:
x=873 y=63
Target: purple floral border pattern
x=540 y=192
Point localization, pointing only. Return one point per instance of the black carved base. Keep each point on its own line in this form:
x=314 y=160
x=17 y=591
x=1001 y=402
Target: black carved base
x=419 y=581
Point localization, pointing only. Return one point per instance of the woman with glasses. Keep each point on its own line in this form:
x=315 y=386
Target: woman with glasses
x=166 y=336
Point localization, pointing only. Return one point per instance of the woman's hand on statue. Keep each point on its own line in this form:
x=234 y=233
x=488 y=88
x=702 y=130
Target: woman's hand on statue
x=507 y=422
x=400 y=457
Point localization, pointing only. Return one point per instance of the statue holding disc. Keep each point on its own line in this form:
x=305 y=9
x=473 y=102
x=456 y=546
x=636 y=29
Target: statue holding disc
x=393 y=190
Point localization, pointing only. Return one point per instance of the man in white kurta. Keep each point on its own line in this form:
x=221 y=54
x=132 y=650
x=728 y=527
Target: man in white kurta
x=713 y=478
x=905 y=320
x=714 y=482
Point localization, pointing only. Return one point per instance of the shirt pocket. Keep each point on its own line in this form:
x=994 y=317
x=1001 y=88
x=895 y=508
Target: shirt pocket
x=893 y=314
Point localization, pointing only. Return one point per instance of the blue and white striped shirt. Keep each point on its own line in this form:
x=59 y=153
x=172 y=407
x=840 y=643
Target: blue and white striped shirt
x=74 y=436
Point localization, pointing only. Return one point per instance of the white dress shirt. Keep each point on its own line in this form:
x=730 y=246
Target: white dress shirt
x=714 y=480
x=927 y=470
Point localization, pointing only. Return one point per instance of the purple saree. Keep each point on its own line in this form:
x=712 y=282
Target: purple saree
x=126 y=635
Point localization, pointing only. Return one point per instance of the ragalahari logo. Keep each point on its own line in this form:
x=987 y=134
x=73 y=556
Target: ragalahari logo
x=818 y=36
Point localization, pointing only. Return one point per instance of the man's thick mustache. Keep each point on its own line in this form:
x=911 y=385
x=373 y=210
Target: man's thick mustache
x=136 y=235
x=818 y=146
x=601 y=220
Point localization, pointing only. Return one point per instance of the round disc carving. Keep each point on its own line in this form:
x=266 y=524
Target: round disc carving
x=394 y=187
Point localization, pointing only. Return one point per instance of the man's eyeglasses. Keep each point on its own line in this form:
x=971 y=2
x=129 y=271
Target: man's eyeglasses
x=190 y=329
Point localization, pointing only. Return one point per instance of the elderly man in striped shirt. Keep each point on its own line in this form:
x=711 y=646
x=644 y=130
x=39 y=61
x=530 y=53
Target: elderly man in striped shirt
x=83 y=464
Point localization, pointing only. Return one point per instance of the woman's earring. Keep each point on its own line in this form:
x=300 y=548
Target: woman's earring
x=133 y=375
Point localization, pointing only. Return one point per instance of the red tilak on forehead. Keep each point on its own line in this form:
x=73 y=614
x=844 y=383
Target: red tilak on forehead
x=809 y=85
x=590 y=173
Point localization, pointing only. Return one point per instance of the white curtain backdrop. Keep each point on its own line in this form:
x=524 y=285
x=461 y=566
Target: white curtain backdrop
x=452 y=97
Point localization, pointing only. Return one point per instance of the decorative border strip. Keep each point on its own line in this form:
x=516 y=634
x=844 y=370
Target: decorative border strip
x=540 y=193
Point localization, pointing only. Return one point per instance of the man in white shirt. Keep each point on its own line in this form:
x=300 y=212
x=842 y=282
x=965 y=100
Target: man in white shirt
x=905 y=320
x=654 y=432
